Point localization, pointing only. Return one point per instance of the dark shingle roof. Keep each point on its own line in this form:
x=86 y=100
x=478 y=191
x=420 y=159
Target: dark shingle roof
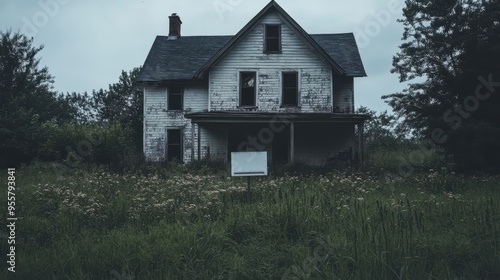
x=181 y=59
x=343 y=49
x=192 y=57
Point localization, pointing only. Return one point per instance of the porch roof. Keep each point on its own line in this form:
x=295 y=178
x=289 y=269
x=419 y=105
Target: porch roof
x=264 y=117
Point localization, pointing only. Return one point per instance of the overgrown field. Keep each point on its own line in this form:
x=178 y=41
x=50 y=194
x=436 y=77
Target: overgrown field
x=198 y=223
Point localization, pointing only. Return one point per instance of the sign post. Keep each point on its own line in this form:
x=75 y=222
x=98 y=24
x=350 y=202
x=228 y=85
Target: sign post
x=248 y=164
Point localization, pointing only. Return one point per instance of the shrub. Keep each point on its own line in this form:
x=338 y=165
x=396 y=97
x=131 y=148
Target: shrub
x=107 y=144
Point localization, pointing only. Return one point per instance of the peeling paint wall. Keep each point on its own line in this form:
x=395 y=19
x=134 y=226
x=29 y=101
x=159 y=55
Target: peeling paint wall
x=320 y=91
x=157 y=120
x=316 y=77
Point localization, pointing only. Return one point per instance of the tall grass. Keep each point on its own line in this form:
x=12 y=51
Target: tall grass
x=165 y=223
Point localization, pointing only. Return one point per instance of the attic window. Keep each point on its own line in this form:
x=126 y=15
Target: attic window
x=175 y=98
x=247 y=88
x=272 y=41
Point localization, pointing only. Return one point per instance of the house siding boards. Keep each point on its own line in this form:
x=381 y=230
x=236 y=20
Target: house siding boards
x=209 y=68
x=213 y=142
x=158 y=119
x=315 y=75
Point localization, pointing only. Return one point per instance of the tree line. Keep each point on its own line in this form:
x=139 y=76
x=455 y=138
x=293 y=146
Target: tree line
x=38 y=123
x=450 y=55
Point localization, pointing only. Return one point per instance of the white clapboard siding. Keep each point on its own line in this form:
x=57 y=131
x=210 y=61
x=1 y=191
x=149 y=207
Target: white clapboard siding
x=320 y=90
x=315 y=75
x=214 y=142
x=196 y=98
x=157 y=120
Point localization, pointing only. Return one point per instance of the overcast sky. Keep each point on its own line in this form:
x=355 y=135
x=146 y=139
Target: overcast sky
x=88 y=43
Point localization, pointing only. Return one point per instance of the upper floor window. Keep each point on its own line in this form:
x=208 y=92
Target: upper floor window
x=272 y=41
x=290 y=89
x=247 y=88
x=175 y=98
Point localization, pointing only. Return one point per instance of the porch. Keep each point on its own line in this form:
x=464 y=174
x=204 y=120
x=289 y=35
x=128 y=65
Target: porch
x=311 y=138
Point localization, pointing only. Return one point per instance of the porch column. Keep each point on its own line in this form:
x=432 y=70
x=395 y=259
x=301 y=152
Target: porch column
x=199 y=143
x=361 y=148
x=292 y=142
x=192 y=140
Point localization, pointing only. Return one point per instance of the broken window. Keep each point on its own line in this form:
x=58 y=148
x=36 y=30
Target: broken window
x=272 y=42
x=290 y=89
x=174 y=144
x=247 y=88
x=175 y=98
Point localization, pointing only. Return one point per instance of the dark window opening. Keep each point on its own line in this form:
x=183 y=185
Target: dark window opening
x=290 y=89
x=247 y=88
x=175 y=96
x=273 y=38
x=174 y=145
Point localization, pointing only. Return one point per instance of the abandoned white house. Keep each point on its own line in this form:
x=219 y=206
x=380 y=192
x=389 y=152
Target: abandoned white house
x=271 y=87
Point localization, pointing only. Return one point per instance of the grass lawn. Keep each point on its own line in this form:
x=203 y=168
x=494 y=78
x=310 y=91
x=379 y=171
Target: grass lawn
x=198 y=223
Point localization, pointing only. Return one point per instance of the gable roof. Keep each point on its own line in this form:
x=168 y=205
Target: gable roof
x=170 y=60
x=191 y=57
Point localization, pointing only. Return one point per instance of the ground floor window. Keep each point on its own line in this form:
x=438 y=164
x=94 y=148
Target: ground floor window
x=174 y=144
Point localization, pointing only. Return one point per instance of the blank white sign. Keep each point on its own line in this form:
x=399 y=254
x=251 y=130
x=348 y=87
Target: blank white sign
x=248 y=164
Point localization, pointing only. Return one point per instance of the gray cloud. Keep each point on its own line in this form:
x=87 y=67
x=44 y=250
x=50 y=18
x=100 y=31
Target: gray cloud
x=88 y=43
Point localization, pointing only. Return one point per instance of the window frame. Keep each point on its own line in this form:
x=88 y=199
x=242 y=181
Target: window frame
x=240 y=88
x=266 y=38
x=180 y=144
x=297 y=88
x=175 y=90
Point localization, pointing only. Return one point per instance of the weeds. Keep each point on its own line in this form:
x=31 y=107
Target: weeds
x=168 y=223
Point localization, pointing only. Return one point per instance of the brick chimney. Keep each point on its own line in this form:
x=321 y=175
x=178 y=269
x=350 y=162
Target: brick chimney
x=175 y=27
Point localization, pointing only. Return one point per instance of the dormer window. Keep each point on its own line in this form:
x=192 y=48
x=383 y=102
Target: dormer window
x=272 y=40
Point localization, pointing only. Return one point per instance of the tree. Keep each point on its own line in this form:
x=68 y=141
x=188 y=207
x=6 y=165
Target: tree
x=26 y=98
x=381 y=131
x=451 y=54
x=123 y=102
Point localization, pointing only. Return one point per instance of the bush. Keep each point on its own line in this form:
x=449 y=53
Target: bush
x=107 y=144
x=407 y=158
